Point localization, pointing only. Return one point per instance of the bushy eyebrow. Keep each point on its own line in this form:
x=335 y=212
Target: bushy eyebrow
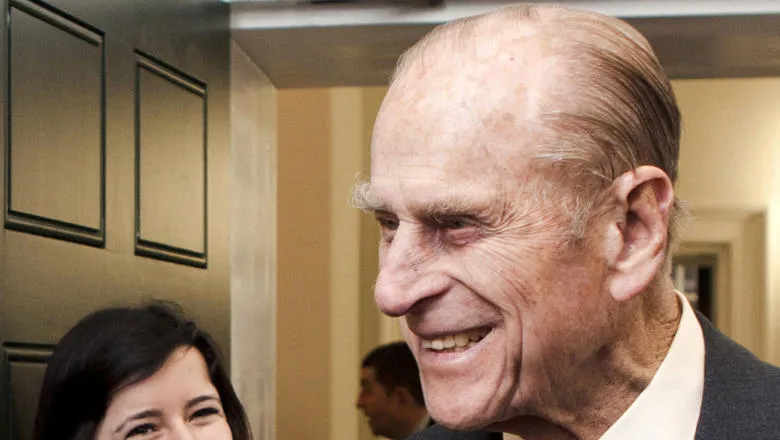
x=446 y=207
x=454 y=206
x=363 y=199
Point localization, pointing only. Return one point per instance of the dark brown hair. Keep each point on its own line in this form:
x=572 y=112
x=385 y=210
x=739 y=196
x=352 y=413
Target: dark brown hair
x=394 y=366
x=113 y=348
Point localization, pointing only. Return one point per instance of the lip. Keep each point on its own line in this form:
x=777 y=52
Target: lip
x=425 y=334
x=442 y=359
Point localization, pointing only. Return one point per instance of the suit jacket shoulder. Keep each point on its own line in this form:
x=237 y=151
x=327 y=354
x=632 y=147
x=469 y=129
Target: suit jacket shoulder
x=438 y=432
x=741 y=393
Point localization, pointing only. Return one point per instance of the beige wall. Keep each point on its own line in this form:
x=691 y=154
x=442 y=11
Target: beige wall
x=731 y=136
x=303 y=320
x=327 y=262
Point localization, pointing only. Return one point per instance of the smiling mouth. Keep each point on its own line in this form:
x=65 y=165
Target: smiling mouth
x=456 y=342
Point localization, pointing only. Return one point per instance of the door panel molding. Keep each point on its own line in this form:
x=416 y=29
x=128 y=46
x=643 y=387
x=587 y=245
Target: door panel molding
x=18 y=407
x=172 y=131
x=60 y=64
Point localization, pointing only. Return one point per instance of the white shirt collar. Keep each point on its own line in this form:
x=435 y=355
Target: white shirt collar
x=424 y=422
x=669 y=407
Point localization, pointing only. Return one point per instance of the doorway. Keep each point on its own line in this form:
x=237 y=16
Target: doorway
x=694 y=276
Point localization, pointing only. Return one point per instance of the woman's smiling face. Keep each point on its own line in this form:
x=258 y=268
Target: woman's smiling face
x=177 y=402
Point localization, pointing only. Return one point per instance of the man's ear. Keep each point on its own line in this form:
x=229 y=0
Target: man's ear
x=403 y=396
x=636 y=239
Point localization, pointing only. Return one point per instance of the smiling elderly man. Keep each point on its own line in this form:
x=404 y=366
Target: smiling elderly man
x=523 y=168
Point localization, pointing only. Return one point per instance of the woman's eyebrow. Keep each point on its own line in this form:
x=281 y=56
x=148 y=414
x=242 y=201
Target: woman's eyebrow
x=199 y=399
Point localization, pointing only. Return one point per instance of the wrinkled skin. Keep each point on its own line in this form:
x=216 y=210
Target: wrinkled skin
x=466 y=243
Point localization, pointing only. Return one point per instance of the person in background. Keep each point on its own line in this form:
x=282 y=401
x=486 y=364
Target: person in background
x=391 y=396
x=522 y=173
x=138 y=373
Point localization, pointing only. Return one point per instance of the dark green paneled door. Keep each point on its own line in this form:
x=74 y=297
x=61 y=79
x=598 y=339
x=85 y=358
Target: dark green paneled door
x=115 y=134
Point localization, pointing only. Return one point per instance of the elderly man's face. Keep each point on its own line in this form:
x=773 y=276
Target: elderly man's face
x=474 y=258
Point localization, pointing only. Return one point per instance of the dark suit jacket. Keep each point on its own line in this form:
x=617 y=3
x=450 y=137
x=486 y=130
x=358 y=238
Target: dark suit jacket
x=438 y=432
x=741 y=394
x=741 y=398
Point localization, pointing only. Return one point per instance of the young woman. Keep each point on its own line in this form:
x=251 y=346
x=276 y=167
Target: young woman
x=138 y=374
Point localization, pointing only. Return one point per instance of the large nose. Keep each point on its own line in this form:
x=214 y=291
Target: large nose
x=405 y=277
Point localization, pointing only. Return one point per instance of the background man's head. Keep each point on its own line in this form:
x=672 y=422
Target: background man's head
x=390 y=392
x=522 y=174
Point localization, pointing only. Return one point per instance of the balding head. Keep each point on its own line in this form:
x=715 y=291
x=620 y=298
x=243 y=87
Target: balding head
x=589 y=84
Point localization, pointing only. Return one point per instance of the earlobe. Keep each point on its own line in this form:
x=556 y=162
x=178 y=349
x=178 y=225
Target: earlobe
x=403 y=395
x=637 y=243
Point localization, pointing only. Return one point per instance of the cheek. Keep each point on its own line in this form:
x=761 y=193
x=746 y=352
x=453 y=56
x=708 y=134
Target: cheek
x=219 y=430
x=569 y=315
x=510 y=276
x=543 y=293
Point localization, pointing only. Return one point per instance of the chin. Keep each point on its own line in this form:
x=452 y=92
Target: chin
x=460 y=414
x=460 y=422
x=472 y=388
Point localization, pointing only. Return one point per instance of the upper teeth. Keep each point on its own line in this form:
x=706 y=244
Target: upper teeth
x=455 y=340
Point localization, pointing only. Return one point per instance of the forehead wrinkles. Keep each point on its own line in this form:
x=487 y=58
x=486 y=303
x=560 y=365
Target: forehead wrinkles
x=407 y=183
x=479 y=120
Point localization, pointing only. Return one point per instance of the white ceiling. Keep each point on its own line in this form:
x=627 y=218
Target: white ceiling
x=355 y=44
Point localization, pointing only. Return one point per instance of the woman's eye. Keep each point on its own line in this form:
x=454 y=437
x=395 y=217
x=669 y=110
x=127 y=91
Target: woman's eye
x=146 y=428
x=204 y=412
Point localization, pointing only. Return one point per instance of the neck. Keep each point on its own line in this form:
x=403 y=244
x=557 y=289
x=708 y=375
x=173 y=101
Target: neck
x=410 y=422
x=602 y=388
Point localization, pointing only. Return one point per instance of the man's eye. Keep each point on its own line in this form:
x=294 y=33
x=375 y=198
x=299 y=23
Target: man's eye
x=455 y=224
x=445 y=222
x=457 y=230
x=146 y=428
x=387 y=223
